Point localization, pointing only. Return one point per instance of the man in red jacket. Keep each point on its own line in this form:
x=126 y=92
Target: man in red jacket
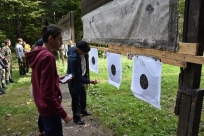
x=45 y=82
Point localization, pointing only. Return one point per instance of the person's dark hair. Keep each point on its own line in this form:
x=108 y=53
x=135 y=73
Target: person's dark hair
x=83 y=46
x=50 y=29
x=20 y=39
x=39 y=42
x=6 y=41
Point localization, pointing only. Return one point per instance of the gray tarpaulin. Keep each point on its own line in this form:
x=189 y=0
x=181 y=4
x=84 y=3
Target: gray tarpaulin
x=142 y=23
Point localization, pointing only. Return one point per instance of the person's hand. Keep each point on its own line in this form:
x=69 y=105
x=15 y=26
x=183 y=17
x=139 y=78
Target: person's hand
x=21 y=60
x=94 y=82
x=67 y=119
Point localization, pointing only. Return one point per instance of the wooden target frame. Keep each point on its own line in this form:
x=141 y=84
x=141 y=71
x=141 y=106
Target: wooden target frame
x=65 y=23
x=189 y=58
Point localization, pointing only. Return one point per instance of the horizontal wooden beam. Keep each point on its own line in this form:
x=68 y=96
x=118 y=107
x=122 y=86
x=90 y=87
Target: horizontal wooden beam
x=178 y=63
x=184 y=48
x=168 y=55
x=186 y=53
x=163 y=60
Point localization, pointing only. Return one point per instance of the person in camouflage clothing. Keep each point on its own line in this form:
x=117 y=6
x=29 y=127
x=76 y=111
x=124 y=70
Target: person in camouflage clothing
x=2 y=72
x=6 y=54
x=2 y=75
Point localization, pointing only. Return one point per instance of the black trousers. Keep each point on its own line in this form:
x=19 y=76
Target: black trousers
x=27 y=66
x=78 y=103
x=22 y=66
x=40 y=124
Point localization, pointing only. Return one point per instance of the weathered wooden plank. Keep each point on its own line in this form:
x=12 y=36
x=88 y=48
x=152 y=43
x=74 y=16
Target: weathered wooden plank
x=127 y=48
x=185 y=112
x=193 y=32
x=174 y=62
x=72 y=27
x=196 y=110
x=117 y=47
x=168 y=55
x=188 y=48
x=114 y=51
x=157 y=53
x=184 y=48
x=110 y=46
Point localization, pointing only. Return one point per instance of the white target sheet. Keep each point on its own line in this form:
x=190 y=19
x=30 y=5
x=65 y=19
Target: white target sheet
x=93 y=60
x=114 y=69
x=146 y=80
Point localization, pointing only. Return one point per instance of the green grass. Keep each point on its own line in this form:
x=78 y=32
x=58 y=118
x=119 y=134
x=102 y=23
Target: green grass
x=126 y=114
x=18 y=113
x=119 y=110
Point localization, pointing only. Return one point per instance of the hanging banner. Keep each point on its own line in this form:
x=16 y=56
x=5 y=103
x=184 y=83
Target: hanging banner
x=146 y=23
x=114 y=69
x=89 y=5
x=93 y=60
x=146 y=80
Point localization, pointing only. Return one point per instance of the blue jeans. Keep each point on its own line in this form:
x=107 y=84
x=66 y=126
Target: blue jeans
x=52 y=125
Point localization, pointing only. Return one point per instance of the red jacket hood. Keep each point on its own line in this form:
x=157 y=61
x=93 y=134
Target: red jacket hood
x=33 y=56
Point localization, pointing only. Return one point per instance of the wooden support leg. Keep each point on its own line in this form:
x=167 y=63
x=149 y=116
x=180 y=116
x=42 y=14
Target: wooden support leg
x=195 y=113
x=189 y=106
x=184 y=111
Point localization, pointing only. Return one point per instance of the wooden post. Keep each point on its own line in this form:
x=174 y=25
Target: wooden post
x=72 y=27
x=189 y=96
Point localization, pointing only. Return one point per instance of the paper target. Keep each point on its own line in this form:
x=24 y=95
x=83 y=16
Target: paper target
x=146 y=80
x=114 y=69
x=93 y=60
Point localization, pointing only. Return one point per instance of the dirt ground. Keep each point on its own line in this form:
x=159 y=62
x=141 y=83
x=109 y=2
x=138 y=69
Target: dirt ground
x=91 y=126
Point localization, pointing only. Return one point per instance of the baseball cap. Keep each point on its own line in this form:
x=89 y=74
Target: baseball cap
x=83 y=46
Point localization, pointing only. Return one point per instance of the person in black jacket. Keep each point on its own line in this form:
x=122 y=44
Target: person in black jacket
x=77 y=66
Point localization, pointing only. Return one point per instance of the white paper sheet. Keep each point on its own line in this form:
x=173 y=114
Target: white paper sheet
x=93 y=60
x=146 y=80
x=114 y=69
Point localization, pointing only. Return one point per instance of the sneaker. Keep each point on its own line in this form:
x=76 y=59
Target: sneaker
x=3 y=86
x=2 y=92
x=79 y=122
x=11 y=81
x=7 y=82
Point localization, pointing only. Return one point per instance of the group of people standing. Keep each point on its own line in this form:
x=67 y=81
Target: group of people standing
x=45 y=81
x=5 y=66
x=6 y=62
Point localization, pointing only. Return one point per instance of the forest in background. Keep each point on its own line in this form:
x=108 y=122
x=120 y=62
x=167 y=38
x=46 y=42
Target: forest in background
x=24 y=18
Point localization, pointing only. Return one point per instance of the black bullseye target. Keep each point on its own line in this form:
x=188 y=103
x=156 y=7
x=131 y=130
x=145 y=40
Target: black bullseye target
x=144 y=81
x=113 y=69
x=93 y=60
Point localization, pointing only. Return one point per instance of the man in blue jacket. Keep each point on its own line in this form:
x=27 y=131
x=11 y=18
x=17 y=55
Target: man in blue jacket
x=77 y=66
